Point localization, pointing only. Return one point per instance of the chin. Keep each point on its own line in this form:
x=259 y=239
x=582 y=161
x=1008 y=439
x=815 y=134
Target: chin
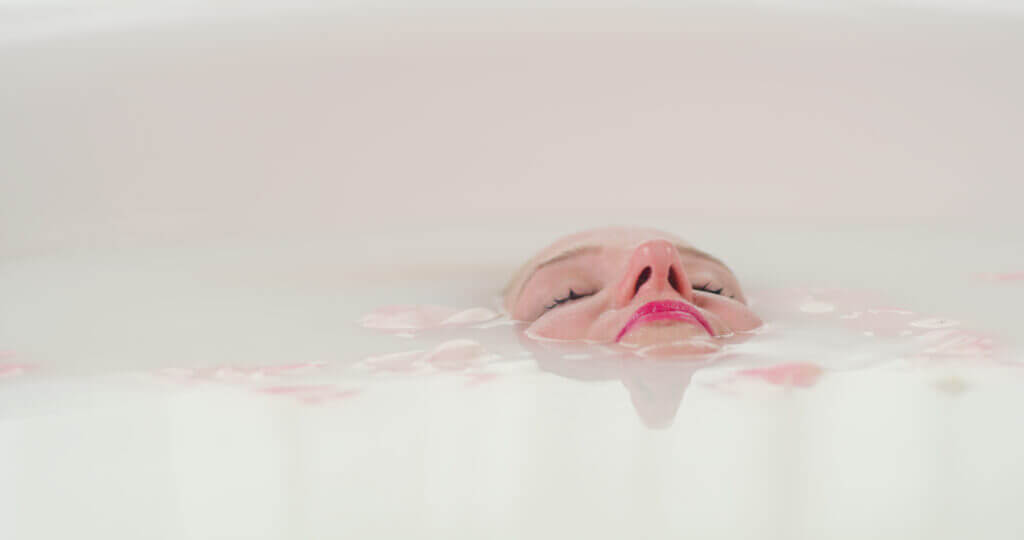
x=664 y=332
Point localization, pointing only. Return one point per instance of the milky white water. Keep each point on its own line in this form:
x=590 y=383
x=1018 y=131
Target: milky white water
x=184 y=393
x=249 y=272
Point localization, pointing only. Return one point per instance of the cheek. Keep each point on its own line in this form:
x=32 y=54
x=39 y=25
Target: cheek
x=736 y=315
x=569 y=323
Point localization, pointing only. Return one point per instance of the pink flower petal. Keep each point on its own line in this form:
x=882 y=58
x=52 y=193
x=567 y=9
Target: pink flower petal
x=796 y=374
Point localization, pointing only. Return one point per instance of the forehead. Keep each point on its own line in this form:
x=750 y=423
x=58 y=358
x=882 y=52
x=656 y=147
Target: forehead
x=624 y=237
x=620 y=237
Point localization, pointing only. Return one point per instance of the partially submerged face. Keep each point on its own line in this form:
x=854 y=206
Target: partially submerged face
x=631 y=286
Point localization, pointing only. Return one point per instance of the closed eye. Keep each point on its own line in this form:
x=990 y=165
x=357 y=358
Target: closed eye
x=710 y=288
x=573 y=295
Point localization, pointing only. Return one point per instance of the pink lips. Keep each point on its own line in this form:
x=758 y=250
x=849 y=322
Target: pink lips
x=665 y=310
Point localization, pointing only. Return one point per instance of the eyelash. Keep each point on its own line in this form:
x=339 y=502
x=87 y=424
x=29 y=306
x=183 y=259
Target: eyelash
x=707 y=288
x=573 y=295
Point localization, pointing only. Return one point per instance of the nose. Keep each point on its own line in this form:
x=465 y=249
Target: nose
x=654 y=267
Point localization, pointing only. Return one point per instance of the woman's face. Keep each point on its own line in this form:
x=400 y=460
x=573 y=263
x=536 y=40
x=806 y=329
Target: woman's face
x=635 y=287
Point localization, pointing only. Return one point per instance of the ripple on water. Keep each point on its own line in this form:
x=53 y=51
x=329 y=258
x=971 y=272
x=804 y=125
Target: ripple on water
x=451 y=355
x=412 y=318
x=849 y=330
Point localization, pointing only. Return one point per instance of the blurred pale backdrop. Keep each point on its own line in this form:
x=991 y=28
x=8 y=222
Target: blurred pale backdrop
x=137 y=126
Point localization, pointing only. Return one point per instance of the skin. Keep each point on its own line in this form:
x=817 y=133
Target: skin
x=608 y=266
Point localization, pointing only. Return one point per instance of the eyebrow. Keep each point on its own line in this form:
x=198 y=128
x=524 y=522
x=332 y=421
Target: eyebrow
x=581 y=250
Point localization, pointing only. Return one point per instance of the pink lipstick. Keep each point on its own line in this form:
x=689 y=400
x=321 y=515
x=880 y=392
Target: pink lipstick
x=665 y=310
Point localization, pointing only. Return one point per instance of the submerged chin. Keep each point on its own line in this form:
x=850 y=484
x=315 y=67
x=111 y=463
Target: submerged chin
x=665 y=332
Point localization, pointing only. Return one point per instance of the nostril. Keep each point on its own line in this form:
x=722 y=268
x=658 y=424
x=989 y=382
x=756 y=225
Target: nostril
x=673 y=280
x=642 y=278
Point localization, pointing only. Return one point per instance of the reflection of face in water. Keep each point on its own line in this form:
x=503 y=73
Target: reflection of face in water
x=634 y=287
x=656 y=385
